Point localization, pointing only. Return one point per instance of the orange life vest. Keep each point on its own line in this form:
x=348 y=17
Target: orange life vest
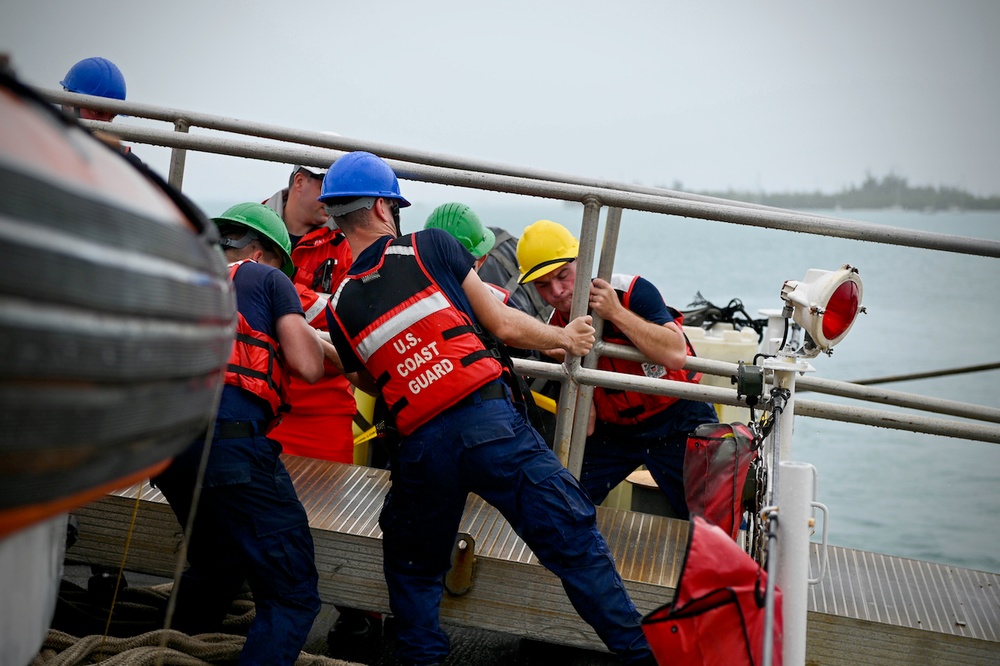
x=313 y=306
x=255 y=364
x=332 y=393
x=631 y=407
x=423 y=352
x=501 y=294
x=321 y=259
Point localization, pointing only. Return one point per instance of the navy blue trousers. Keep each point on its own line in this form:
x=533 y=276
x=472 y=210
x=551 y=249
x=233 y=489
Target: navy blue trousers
x=249 y=527
x=614 y=451
x=489 y=449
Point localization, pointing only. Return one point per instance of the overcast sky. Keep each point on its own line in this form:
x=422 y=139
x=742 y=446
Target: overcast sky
x=714 y=94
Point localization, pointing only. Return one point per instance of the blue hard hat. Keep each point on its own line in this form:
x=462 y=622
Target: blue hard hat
x=95 y=76
x=361 y=174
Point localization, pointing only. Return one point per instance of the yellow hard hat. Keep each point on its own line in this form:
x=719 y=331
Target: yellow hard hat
x=544 y=246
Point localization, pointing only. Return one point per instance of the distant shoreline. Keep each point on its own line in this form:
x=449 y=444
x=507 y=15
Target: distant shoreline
x=891 y=192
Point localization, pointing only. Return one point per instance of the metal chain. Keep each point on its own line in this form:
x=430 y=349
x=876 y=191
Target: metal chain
x=756 y=540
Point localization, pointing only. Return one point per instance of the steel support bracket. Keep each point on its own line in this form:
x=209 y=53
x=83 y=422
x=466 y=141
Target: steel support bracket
x=458 y=580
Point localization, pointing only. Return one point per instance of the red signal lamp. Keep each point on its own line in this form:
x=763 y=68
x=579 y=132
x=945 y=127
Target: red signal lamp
x=825 y=304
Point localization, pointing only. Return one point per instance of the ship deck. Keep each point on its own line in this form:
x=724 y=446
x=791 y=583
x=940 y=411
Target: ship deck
x=869 y=608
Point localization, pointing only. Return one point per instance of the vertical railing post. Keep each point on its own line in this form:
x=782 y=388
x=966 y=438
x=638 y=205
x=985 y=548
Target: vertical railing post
x=795 y=498
x=178 y=157
x=790 y=487
x=581 y=296
x=585 y=394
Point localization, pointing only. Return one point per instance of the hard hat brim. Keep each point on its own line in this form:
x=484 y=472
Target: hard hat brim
x=544 y=268
x=485 y=245
x=400 y=201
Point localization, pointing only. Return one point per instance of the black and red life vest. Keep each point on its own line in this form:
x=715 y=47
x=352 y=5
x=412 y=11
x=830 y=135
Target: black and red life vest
x=424 y=353
x=631 y=407
x=254 y=364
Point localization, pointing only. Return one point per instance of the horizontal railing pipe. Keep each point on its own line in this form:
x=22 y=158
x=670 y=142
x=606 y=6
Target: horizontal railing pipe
x=899 y=399
x=540 y=369
x=830 y=387
x=898 y=421
x=810 y=408
x=786 y=221
x=651 y=200
x=346 y=144
x=273 y=152
x=625 y=382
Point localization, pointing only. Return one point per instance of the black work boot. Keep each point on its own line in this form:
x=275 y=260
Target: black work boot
x=355 y=635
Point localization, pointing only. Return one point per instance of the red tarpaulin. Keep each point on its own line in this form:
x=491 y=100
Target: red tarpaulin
x=718 y=615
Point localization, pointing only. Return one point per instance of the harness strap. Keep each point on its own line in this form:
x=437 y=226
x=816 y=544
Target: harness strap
x=456 y=331
x=362 y=422
x=256 y=374
x=479 y=355
x=512 y=286
x=495 y=390
x=490 y=350
x=397 y=408
x=631 y=412
x=520 y=393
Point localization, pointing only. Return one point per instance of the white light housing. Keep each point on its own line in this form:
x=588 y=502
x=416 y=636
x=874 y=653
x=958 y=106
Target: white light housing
x=825 y=304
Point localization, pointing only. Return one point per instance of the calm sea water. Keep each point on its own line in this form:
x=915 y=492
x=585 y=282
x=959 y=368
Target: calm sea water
x=906 y=494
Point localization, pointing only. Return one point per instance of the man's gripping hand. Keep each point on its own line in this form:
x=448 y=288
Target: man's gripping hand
x=580 y=336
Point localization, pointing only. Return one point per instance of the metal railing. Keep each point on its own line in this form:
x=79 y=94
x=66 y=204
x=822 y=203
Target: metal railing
x=423 y=166
x=290 y=146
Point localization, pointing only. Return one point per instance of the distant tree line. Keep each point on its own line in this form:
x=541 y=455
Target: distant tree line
x=890 y=192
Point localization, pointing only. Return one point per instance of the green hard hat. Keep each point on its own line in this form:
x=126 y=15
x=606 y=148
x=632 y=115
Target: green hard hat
x=459 y=221
x=269 y=224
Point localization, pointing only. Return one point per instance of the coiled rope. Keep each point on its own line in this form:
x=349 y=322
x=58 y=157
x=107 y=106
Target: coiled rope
x=138 y=610
x=166 y=646
x=133 y=633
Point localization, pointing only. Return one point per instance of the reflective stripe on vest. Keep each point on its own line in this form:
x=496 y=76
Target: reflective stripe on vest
x=423 y=352
x=313 y=306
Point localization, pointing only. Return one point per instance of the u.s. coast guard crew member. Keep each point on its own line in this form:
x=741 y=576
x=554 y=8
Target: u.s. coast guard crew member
x=409 y=315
